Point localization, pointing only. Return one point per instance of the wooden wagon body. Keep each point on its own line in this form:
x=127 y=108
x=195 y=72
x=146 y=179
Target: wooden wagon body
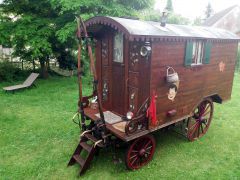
x=135 y=61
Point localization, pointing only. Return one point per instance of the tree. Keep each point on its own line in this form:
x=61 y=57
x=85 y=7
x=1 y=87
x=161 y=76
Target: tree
x=197 y=21
x=209 y=10
x=177 y=19
x=90 y=8
x=169 y=6
x=4 y=29
x=40 y=30
x=31 y=29
x=150 y=15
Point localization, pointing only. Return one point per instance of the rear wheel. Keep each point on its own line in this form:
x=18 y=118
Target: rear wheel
x=199 y=123
x=140 y=152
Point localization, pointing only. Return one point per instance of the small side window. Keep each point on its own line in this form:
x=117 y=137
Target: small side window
x=118 y=48
x=197 y=52
x=207 y=52
x=188 y=53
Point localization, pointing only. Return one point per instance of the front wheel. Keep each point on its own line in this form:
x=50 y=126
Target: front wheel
x=140 y=152
x=200 y=121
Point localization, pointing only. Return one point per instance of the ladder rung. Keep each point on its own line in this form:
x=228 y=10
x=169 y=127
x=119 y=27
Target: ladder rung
x=93 y=139
x=79 y=159
x=86 y=146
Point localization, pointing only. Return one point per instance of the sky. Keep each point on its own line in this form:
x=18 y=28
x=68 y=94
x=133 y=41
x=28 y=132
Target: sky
x=196 y=8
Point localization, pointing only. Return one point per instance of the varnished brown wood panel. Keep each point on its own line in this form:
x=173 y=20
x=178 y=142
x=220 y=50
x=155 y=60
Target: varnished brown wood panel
x=98 y=57
x=139 y=74
x=133 y=79
x=118 y=82
x=118 y=86
x=133 y=99
x=106 y=71
x=195 y=82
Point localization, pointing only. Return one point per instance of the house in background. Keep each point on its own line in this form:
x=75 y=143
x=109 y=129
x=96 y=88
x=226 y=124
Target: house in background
x=5 y=53
x=228 y=19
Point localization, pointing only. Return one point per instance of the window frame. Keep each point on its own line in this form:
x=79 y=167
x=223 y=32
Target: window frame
x=198 y=52
x=118 y=46
x=206 y=50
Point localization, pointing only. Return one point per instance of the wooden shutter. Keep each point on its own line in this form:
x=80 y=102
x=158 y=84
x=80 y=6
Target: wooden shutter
x=207 y=52
x=188 y=53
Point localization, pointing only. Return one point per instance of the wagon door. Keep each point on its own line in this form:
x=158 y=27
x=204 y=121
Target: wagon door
x=111 y=69
x=118 y=75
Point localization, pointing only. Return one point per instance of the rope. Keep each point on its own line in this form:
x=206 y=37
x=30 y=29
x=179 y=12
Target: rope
x=78 y=119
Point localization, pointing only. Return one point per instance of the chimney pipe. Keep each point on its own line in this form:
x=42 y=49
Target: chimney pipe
x=164 y=18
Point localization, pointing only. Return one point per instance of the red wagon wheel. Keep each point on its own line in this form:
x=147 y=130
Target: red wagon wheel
x=140 y=152
x=199 y=123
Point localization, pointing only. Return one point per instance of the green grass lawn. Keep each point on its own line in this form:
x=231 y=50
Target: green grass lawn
x=37 y=139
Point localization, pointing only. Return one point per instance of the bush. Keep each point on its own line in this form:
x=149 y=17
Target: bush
x=8 y=71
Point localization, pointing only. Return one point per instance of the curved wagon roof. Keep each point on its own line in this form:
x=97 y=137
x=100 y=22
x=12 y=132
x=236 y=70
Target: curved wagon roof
x=149 y=30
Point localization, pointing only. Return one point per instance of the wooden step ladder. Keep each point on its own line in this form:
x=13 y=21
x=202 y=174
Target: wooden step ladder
x=90 y=150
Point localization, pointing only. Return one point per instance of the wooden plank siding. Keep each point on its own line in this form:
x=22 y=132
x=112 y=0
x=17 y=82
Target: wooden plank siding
x=138 y=76
x=196 y=82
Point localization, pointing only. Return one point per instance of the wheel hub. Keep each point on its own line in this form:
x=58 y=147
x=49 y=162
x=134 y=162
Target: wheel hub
x=142 y=152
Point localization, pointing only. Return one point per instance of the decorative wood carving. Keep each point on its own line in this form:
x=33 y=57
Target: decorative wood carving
x=134 y=56
x=133 y=99
x=105 y=59
x=105 y=90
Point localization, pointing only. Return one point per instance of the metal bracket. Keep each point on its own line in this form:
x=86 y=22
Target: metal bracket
x=96 y=143
x=85 y=132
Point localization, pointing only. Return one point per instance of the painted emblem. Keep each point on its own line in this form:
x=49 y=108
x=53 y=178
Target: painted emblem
x=222 y=66
x=172 y=92
x=173 y=83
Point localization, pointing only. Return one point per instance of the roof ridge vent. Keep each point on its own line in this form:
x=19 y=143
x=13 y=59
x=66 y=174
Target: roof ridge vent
x=164 y=18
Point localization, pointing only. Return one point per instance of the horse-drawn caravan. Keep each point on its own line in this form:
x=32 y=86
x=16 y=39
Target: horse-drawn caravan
x=148 y=76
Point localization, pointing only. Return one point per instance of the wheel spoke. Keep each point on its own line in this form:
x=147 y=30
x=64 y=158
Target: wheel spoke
x=205 y=123
x=202 y=110
x=148 y=147
x=193 y=131
x=207 y=108
x=148 y=153
x=134 y=151
x=133 y=156
x=145 y=146
x=206 y=113
x=198 y=129
x=134 y=161
x=193 y=126
x=202 y=127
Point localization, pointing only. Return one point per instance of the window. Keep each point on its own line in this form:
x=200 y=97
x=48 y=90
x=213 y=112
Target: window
x=118 y=48
x=197 y=52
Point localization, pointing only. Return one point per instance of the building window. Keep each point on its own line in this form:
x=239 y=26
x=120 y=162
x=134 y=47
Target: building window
x=118 y=48
x=197 y=53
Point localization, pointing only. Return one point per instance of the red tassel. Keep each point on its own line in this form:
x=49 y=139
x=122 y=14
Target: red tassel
x=152 y=112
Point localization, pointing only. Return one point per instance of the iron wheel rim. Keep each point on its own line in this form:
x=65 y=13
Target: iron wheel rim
x=140 y=152
x=200 y=121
